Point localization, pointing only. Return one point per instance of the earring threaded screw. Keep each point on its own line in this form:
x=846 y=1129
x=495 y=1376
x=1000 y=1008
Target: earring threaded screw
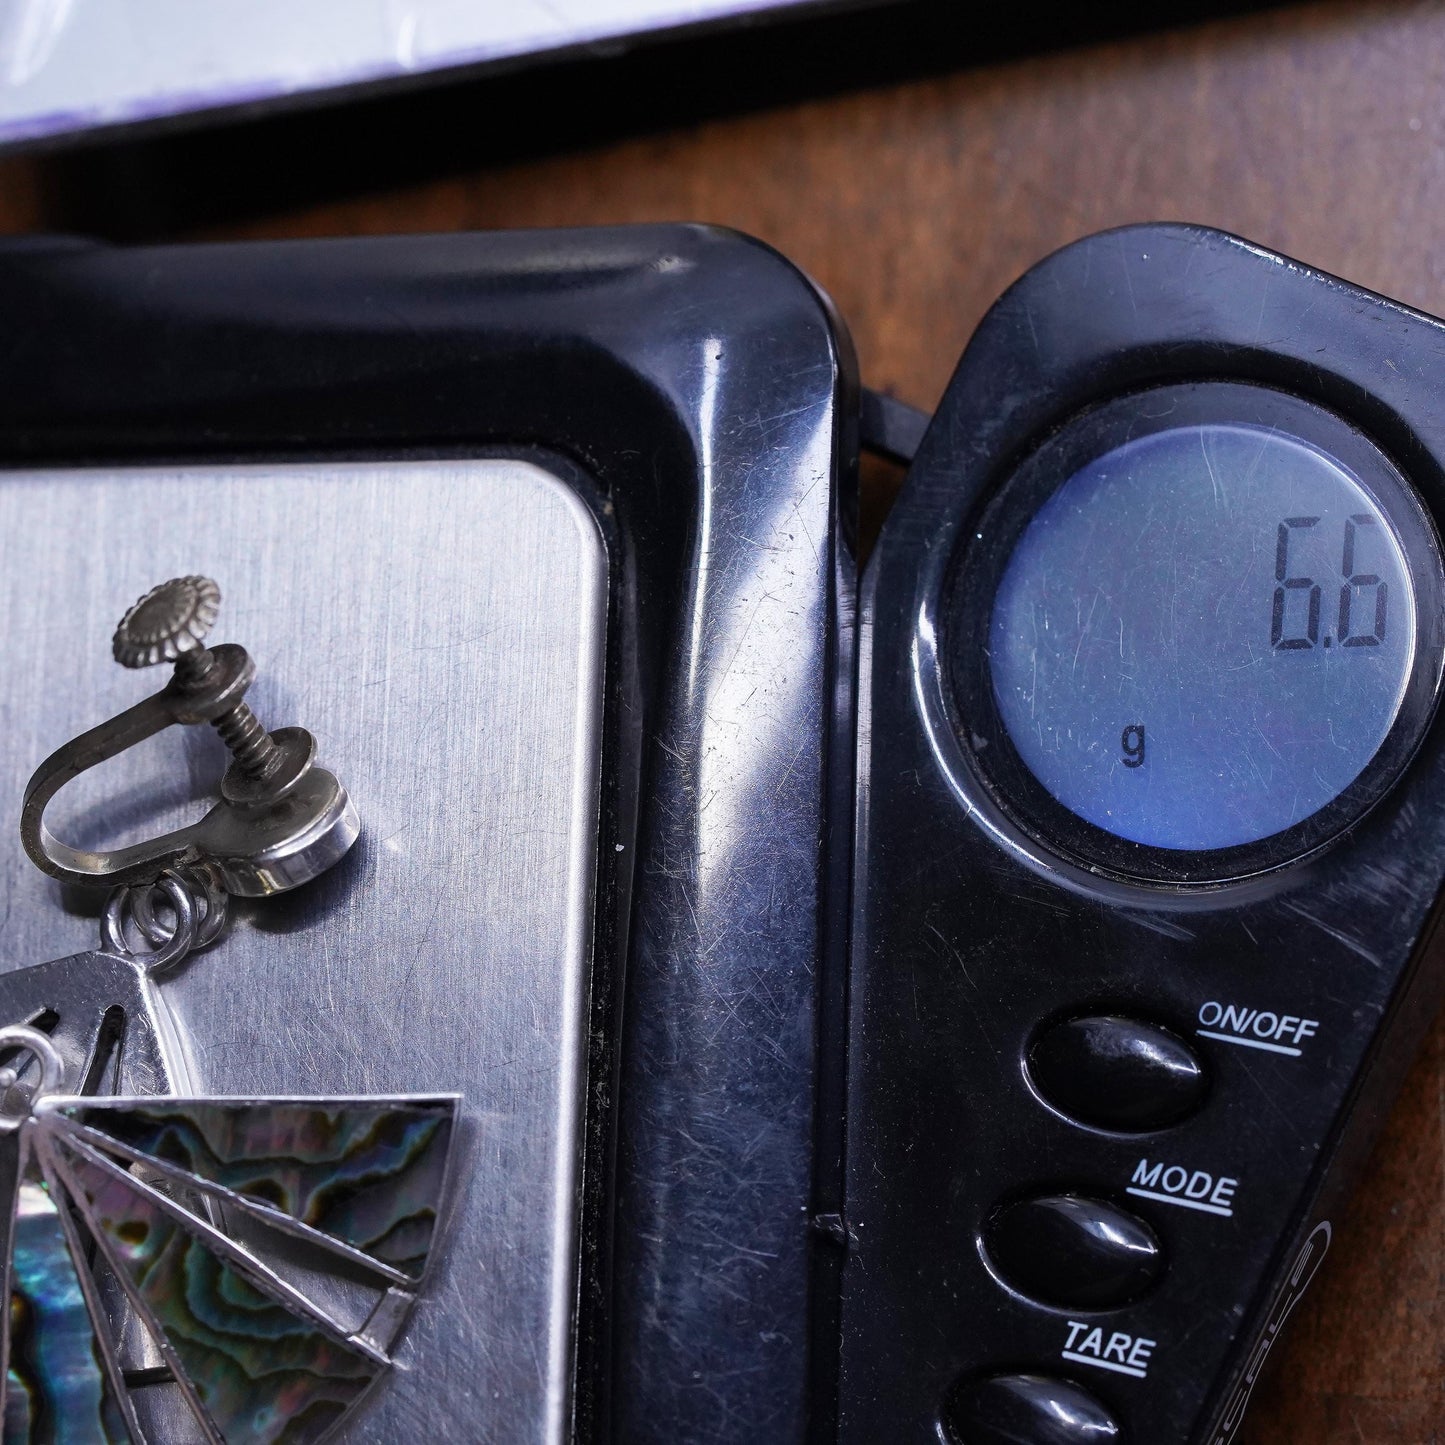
x=170 y=624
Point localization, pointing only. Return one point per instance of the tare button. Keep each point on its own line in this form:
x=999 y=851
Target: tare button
x=1115 y=1350
x=1272 y=1030
x=1039 y=1409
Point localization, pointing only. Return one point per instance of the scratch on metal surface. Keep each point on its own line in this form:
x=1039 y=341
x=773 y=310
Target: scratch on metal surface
x=1352 y=944
x=1162 y=926
x=787 y=772
x=1128 y=280
x=956 y=954
x=1248 y=1064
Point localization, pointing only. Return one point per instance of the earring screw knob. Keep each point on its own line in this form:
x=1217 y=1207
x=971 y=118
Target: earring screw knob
x=170 y=624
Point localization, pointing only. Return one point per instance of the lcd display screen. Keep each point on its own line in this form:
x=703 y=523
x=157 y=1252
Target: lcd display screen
x=1203 y=636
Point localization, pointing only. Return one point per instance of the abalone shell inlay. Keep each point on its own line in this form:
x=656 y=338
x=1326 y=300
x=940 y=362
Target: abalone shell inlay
x=258 y=1361
x=56 y=1390
x=367 y=1173
x=262 y=1372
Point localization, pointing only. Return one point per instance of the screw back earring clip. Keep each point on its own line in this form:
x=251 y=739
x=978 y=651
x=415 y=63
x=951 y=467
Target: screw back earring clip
x=281 y=820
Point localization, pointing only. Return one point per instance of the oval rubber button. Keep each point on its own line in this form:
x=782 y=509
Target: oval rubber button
x=1027 y=1410
x=1074 y=1252
x=1118 y=1073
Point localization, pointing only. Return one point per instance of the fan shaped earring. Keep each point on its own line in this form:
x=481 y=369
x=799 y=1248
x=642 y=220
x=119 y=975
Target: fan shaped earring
x=194 y=1207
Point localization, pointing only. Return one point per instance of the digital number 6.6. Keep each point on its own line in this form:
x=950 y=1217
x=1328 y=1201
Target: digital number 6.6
x=1353 y=583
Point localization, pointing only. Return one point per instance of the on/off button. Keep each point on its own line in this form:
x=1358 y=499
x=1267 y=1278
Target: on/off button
x=1117 y=1073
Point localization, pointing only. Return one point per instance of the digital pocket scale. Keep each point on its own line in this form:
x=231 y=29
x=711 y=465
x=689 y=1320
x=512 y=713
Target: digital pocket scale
x=957 y=1022
x=1149 y=839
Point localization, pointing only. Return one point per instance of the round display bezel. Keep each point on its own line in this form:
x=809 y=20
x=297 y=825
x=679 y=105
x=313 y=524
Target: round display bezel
x=978 y=571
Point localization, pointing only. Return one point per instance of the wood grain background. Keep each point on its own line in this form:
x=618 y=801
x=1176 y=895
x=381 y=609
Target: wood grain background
x=1318 y=131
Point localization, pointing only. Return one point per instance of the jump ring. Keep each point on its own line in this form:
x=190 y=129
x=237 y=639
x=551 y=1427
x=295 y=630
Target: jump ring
x=203 y=889
x=181 y=941
x=52 y=1066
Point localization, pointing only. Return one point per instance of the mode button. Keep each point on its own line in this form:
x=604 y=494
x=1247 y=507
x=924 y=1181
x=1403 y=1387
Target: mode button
x=1074 y=1252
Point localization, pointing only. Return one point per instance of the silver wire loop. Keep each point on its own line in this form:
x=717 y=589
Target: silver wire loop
x=206 y=892
x=183 y=937
x=52 y=1071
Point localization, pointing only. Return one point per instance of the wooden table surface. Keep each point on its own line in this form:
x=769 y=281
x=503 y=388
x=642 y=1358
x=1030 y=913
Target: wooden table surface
x=1318 y=131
